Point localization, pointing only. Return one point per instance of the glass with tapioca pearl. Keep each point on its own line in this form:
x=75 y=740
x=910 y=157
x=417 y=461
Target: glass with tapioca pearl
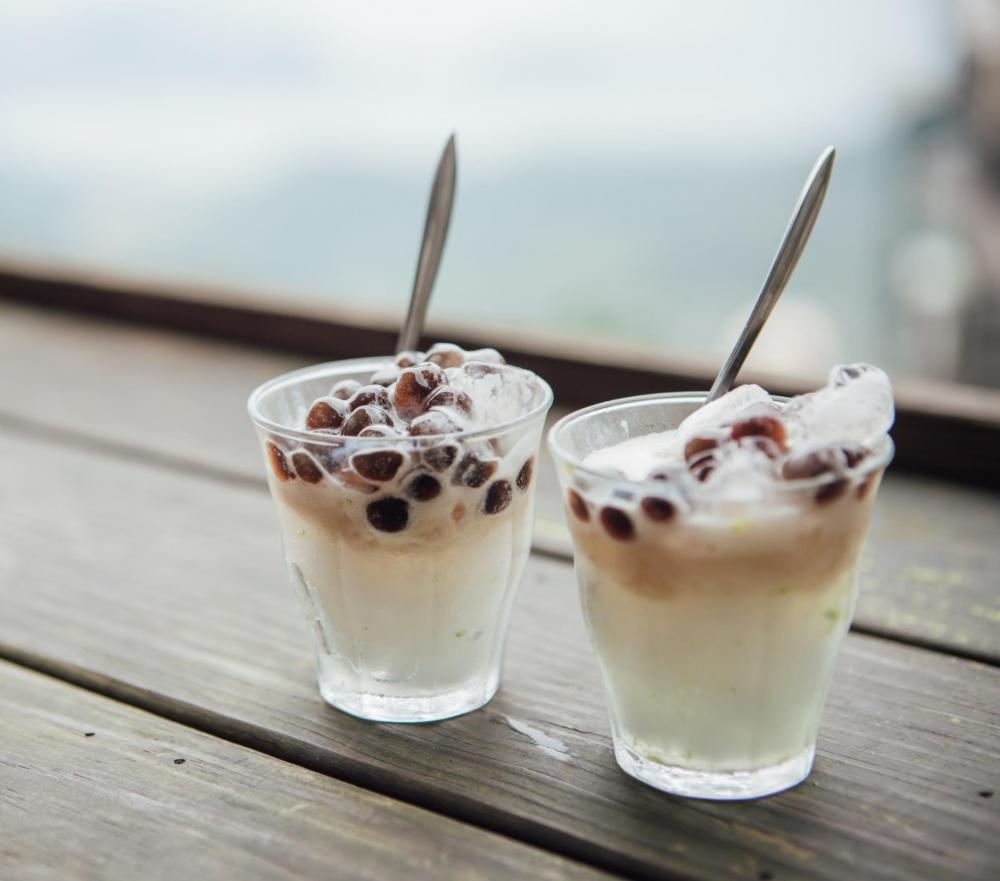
x=405 y=493
x=716 y=552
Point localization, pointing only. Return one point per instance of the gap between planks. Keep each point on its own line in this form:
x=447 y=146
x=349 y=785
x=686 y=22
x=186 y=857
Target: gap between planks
x=250 y=736
x=67 y=799
x=615 y=799
x=546 y=547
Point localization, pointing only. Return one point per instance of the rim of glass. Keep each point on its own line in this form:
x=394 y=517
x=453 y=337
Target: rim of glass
x=881 y=458
x=354 y=365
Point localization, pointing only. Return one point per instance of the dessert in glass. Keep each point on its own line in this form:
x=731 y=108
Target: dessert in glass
x=717 y=553
x=405 y=497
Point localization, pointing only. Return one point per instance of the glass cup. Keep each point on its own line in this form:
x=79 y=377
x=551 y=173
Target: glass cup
x=407 y=583
x=715 y=623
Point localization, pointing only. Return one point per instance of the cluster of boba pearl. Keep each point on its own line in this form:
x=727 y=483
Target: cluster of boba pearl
x=765 y=434
x=410 y=399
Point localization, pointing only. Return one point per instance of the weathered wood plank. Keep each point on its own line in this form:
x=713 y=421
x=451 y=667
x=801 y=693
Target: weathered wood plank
x=929 y=417
x=932 y=574
x=171 y=394
x=931 y=571
x=167 y=590
x=94 y=789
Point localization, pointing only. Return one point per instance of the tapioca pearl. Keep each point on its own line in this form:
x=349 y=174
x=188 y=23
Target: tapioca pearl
x=485 y=356
x=761 y=444
x=370 y=395
x=761 y=426
x=328 y=414
x=345 y=388
x=617 y=523
x=808 y=465
x=379 y=431
x=702 y=467
x=410 y=358
x=577 y=505
x=854 y=453
x=414 y=387
x=524 y=475
x=836 y=458
x=440 y=458
x=423 y=488
x=498 y=496
x=433 y=422
x=385 y=377
x=698 y=447
x=388 y=514
x=306 y=467
x=279 y=464
x=474 y=471
x=832 y=461
x=446 y=355
x=830 y=491
x=377 y=465
x=866 y=484
x=363 y=417
x=657 y=509
x=447 y=396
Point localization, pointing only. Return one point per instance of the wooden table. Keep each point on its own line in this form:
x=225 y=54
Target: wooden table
x=159 y=716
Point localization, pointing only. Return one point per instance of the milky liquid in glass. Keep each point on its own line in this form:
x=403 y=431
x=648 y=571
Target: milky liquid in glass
x=716 y=633
x=408 y=625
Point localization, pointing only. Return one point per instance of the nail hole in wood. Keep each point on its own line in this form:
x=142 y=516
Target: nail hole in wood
x=179 y=761
x=89 y=733
x=986 y=793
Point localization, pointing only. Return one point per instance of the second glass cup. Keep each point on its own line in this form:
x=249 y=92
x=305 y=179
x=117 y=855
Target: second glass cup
x=716 y=624
x=407 y=581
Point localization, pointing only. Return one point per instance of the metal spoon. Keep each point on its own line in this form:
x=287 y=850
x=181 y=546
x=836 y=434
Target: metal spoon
x=791 y=248
x=435 y=233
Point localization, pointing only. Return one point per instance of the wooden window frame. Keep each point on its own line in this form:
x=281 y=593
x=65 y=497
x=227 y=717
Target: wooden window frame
x=944 y=430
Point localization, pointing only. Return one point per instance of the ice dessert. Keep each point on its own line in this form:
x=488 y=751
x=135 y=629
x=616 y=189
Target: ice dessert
x=405 y=494
x=716 y=551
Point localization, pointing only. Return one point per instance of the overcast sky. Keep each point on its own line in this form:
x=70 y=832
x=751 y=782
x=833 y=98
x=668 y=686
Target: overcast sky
x=213 y=94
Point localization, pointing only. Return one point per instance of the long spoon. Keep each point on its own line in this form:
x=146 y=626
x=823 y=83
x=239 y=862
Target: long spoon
x=435 y=233
x=791 y=248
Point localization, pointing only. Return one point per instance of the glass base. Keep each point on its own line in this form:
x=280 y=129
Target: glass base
x=718 y=785
x=421 y=708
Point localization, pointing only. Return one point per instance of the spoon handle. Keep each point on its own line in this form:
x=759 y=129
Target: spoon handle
x=792 y=245
x=435 y=233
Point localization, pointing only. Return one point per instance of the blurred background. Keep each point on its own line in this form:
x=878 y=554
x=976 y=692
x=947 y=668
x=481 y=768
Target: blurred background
x=625 y=170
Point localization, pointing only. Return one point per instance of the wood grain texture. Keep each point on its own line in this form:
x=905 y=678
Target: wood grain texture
x=179 y=397
x=580 y=372
x=94 y=789
x=168 y=591
x=932 y=572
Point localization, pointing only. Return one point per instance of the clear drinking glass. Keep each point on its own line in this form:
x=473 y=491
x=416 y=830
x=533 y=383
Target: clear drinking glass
x=408 y=584
x=716 y=624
